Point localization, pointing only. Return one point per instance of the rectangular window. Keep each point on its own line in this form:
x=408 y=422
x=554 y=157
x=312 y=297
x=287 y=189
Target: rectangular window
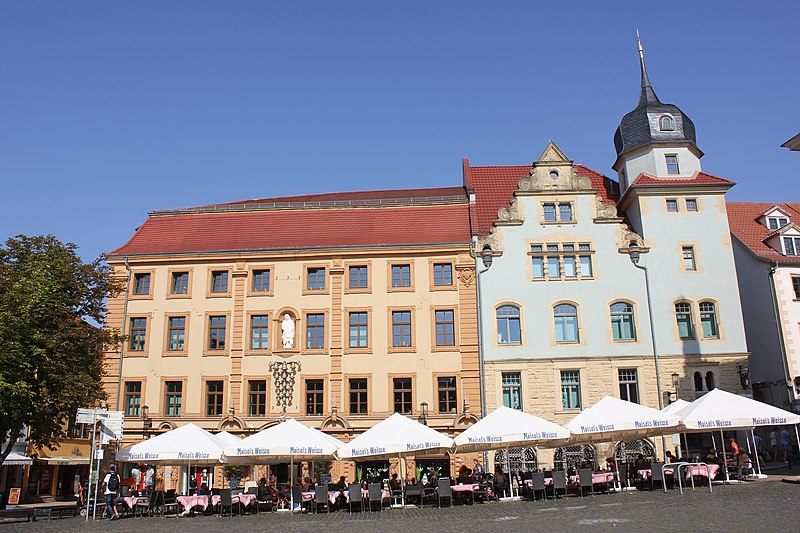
x=219 y=281
x=216 y=332
x=401 y=275
x=565 y=212
x=549 y=212
x=138 y=334
x=688 y=258
x=796 y=286
x=569 y=266
x=257 y=402
x=133 y=397
x=445 y=328
x=708 y=320
x=538 y=267
x=259 y=332
x=358 y=277
x=177 y=333
x=401 y=329
x=180 y=283
x=447 y=394
x=442 y=274
x=141 y=284
x=552 y=268
x=316 y=279
x=359 y=337
x=315 y=395
x=261 y=280
x=773 y=223
x=586 y=266
x=691 y=204
x=358 y=396
x=512 y=389
x=213 y=398
x=683 y=315
x=315 y=331
x=672 y=164
x=402 y=395
x=672 y=205
x=570 y=389
x=628 y=385
x=174 y=396
x=792 y=245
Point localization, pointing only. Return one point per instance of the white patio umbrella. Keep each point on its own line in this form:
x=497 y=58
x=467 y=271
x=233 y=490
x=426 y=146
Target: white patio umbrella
x=396 y=436
x=184 y=445
x=721 y=410
x=289 y=440
x=615 y=419
x=181 y=446
x=227 y=439
x=504 y=428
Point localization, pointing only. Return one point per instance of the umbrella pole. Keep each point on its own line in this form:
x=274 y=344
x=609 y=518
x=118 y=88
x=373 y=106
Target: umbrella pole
x=797 y=436
x=686 y=442
x=291 y=482
x=755 y=450
x=402 y=480
x=724 y=455
x=508 y=469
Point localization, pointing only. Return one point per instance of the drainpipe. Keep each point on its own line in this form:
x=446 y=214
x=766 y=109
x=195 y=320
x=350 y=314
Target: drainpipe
x=124 y=319
x=481 y=370
x=773 y=266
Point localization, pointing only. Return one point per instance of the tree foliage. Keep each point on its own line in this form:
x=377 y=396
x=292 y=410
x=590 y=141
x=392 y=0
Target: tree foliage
x=51 y=357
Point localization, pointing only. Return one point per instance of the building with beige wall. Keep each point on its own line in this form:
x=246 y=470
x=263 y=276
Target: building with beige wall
x=372 y=294
x=566 y=314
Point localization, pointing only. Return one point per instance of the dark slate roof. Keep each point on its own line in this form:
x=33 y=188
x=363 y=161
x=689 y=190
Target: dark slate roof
x=640 y=127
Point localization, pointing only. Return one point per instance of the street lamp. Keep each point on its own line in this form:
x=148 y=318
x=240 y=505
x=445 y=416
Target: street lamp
x=635 y=252
x=423 y=409
x=147 y=422
x=676 y=383
x=486 y=259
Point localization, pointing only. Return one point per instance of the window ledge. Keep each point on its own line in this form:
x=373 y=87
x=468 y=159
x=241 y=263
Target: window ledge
x=558 y=222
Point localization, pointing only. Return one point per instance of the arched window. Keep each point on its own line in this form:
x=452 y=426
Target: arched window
x=519 y=460
x=708 y=320
x=698 y=381
x=573 y=456
x=627 y=452
x=683 y=315
x=566 y=322
x=622 y=321
x=666 y=123
x=508 y=327
x=710 y=380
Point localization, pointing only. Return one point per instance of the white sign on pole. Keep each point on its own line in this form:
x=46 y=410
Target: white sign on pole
x=112 y=425
x=99 y=454
x=86 y=416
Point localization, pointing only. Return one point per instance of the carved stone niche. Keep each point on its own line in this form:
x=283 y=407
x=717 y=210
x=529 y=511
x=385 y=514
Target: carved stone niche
x=285 y=349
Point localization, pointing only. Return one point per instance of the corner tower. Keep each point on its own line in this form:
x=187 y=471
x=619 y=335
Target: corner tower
x=655 y=138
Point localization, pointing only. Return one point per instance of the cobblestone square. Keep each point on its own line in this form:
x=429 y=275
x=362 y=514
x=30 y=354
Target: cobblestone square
x=753 y=506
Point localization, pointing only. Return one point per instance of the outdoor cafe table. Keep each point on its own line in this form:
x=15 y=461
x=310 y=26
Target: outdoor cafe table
x=190 y=502
x=598 y=478
x=695 y=470
x=244 y=499
x=131 y=501
x=365 y=494
x=310 y=496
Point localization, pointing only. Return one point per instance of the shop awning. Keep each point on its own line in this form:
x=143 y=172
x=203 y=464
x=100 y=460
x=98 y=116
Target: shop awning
x=64 y=460
x=16 y=459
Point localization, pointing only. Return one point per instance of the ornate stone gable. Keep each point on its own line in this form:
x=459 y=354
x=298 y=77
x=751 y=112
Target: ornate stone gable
x=553 y=172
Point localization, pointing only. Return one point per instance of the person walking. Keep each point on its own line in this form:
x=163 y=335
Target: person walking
x=786 y=445
x=111 y=486
x=773 y=444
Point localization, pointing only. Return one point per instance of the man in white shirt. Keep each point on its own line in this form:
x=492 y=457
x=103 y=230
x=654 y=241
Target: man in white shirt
x=111 y=486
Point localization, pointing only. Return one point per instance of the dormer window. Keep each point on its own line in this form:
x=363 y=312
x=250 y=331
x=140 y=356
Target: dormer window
x=776 y=222
x=666 y=123
x=791 y=245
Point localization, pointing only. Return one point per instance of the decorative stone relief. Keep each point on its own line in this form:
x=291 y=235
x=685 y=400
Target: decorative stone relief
x=629 y=238
x=510 y=214
x=466 y=275
x=493 y=241
x=604 y=211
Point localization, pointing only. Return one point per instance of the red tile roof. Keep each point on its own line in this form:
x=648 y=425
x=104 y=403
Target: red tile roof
x=698 y=178
x=494 y=187
x=301 y=227
x=742 y=220
x=355 y=196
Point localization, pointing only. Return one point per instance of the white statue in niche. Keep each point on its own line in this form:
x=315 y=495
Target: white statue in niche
x=287 y=328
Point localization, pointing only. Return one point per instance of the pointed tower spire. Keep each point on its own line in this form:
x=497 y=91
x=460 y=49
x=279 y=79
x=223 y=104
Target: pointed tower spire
x=648 y=95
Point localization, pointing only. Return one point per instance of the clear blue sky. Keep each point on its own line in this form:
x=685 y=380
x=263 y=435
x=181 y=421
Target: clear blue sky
x=109 y=110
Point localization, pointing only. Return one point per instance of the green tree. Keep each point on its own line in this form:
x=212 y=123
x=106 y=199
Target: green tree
x=51 y=356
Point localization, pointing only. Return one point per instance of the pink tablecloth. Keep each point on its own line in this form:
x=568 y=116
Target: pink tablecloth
x=696 y=470
x=131 y=501
x=244 y=499
x=332 y=496
x=190 y=502
x=365 y=494
x=598 y=478
x=548 y=482
x=468 y=487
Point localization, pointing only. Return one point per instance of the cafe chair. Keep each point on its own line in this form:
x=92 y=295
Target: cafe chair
x=444 y=491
